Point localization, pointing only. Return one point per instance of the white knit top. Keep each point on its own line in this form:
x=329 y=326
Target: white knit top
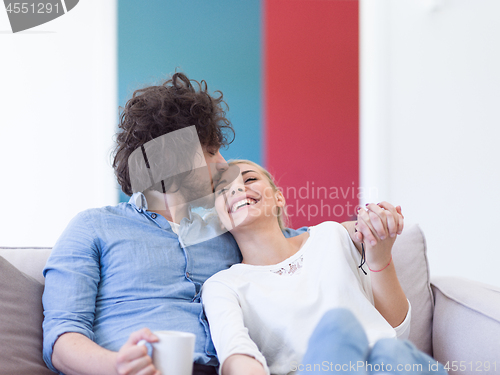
x=269 y=312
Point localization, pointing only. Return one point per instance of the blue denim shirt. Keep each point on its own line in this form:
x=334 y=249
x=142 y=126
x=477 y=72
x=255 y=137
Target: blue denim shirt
x=117 y=269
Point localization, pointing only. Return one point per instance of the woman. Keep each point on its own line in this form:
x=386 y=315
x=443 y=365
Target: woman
x=263 y=311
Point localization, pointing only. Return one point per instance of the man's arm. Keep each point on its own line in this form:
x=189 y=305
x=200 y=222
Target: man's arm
x=72 y=275
x=76 y=354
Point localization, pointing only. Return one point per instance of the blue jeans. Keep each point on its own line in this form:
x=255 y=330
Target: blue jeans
x=339 y=344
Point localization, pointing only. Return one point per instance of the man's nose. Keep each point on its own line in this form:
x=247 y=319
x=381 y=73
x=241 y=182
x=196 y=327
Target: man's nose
x=220 y=163
x=220 y=159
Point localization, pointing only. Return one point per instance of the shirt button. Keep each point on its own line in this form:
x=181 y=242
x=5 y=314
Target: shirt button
x=187 y=274
x=153 y=216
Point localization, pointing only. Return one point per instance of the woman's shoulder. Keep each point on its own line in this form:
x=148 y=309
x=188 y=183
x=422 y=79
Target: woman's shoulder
x=329 y=227
x=228 y=276
x=330 y=233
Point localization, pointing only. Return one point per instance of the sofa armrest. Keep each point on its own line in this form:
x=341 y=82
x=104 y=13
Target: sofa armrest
x=466 y=325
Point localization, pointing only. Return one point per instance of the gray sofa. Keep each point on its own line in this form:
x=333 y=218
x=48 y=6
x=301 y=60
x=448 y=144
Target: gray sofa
x=455 y=320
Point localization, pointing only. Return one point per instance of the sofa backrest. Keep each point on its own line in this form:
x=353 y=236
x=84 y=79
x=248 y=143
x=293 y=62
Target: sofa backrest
x=410 y=259
x=30 y=260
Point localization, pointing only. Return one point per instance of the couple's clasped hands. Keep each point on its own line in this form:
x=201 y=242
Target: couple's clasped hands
x=377 y=227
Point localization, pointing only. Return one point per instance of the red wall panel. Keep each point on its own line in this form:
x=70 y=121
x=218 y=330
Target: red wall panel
x=311 y=106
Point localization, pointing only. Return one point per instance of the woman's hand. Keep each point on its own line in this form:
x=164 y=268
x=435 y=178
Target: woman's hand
x=377 y=227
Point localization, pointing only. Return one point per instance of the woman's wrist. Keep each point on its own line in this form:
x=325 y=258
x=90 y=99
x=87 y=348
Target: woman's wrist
x=379 y=268
x=242 y=364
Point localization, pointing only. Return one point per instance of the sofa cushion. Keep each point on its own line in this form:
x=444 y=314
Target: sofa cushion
x=466 y=326
x=410 y=259
x=21 y=316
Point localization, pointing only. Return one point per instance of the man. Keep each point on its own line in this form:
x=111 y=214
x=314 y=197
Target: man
x=118 y=269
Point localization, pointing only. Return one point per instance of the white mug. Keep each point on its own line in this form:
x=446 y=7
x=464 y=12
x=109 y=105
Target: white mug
x=173 y=353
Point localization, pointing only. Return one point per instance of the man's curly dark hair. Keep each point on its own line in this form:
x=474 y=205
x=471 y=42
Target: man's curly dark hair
x=157 y=110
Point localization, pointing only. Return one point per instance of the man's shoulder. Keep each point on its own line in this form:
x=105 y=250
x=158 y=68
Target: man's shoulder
x=95 y=218
x=120 y=209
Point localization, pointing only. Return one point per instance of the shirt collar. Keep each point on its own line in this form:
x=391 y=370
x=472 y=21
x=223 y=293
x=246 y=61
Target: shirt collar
x=138 y=201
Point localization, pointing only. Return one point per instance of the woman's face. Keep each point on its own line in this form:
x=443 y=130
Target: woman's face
x=247 y=198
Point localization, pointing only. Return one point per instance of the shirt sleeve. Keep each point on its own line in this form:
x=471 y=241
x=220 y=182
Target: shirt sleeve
x=403 y=330
x=72 y=276
x=225 y=318
x=353 y=257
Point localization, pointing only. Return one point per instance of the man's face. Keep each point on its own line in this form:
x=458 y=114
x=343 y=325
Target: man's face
x=216 y=164
x=198 y=187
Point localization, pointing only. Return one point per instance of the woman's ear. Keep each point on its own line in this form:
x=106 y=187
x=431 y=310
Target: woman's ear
x=280 y=199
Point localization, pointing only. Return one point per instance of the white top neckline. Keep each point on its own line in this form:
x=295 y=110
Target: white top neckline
x=269 y=267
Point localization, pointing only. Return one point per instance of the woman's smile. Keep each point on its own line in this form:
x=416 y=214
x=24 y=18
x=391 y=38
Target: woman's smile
x=242 y=203
x=246 y=196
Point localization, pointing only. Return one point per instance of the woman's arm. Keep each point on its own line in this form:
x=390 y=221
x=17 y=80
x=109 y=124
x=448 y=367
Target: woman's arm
x=378 y=226
x=237 y=353
x=241 y=364
x=390 y=300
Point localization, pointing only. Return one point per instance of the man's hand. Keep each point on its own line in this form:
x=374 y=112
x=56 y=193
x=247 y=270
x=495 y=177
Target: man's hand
x=133 y=359
x=377 y=227
x=384 y=220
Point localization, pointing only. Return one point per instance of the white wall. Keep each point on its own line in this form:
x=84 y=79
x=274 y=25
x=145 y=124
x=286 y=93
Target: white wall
x=58 y=112
x=430 y=124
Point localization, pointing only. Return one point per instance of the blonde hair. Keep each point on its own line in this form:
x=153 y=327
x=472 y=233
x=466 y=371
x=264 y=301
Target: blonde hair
x=281 y=212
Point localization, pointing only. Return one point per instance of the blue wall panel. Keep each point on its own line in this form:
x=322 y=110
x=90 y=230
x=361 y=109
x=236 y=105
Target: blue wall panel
x=218 y=41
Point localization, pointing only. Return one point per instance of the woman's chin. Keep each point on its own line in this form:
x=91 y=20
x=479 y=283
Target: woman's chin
x=238 y=218
x=244 y=218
